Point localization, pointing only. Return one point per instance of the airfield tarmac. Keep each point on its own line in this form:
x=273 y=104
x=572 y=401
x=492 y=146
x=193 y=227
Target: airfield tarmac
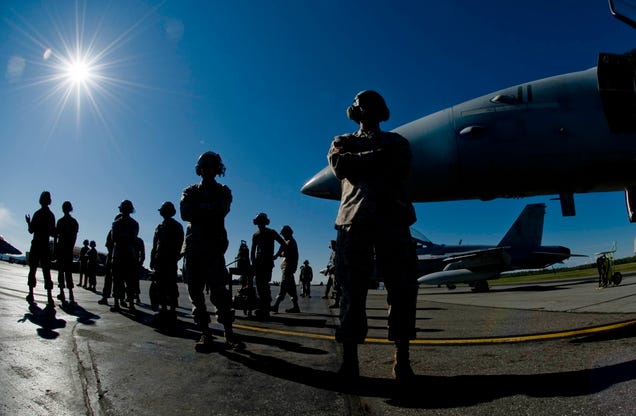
x=560 y=347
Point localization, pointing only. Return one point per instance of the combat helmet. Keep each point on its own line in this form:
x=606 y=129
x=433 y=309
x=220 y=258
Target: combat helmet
x=373 y=103
x=207 y=160
x=126 y=207
x=261 y=219
x=286 y=230
x=167 y=209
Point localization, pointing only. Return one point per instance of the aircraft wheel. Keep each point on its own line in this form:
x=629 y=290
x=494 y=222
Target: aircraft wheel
x=617 y=278
x=481 y=286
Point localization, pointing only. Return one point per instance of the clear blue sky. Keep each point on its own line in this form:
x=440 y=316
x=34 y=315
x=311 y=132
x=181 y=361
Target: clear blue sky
x=266 y=84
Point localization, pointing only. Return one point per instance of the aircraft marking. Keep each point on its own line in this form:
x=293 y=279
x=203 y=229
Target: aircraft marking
x=456 y=341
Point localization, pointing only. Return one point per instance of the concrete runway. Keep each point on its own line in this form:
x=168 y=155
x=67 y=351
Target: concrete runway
x=561 y=347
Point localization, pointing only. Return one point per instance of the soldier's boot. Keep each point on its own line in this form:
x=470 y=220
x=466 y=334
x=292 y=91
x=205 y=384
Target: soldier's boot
x=402 y=371
x=49 y=296
x=350 y=367
x=71 y=298
x=294 y=309
x=61 y=295
x=205 y=342
x=115 y=307
x=274 y=307
x=231 y=340
x=30 y=299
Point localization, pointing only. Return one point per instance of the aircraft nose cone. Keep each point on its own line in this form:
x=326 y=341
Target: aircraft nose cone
x=324 y=184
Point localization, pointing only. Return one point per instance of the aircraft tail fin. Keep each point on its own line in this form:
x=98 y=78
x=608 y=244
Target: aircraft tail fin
x=527 y=230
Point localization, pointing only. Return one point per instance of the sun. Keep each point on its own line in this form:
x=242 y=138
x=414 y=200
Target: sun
x=84 y=61
x=79 y=72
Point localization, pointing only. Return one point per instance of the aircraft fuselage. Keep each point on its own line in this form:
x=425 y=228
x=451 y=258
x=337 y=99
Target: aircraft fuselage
x=571 y=133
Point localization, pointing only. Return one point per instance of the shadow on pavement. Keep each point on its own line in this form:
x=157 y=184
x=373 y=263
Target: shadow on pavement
x=45 y=319
x=435 y=392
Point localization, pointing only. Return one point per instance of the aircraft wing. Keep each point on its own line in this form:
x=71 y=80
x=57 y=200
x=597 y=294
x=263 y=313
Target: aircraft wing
x=6 y=248
x=480 y=259
x=469 y=267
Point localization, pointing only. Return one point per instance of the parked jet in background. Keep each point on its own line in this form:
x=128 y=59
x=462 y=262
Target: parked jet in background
x=520 y=249
x=6 y=248
x=567 y=134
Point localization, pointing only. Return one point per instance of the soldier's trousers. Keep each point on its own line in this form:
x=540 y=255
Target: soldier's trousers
x=390 y=252
x=200 y=270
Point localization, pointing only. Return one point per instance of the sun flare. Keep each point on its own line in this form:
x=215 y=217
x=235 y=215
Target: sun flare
x=80 y=61
x=79 y=72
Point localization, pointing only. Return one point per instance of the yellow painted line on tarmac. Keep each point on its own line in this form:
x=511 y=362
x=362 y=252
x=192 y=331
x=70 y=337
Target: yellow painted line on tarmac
x=455 y=341
x=282 y=332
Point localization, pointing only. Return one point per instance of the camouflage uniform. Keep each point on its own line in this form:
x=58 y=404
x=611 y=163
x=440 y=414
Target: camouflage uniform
x=204 y=207
x=373 y=221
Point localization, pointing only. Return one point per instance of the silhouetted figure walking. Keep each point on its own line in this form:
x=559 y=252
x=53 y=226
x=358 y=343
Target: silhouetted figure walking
x=65 y=237
x=262 y=256
x=204 y=206
x=164 y=256
x=42 y=226
x=289 y=264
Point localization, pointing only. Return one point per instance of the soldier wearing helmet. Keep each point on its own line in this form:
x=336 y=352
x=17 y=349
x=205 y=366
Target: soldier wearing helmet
x=373 y=221
x=164 y=256
x=289 y=253
x=262 y=257
x=65 y=236
x=306 y=275
x=124 y=233
x=204 y=206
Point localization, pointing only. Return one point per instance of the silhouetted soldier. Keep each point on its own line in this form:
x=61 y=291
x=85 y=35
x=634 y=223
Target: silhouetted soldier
x=108 y=273
x=42 y=226
x=204 y=206
x=91 y=266
x=306 y=275
x=82 y=266
x=373 y=221
x=141 y=257
x=262 y=256
x=65 y=237
x=330 y=272
x=289 y=264
x=125 y=264
x=164 y=256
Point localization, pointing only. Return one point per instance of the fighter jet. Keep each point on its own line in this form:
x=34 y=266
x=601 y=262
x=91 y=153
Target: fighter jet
x=6 y=248
x=519 y=249
x=567 y=134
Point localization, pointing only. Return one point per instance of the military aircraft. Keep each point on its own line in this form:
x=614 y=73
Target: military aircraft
x=519 y=249
x=567 y=134
x=6 y=248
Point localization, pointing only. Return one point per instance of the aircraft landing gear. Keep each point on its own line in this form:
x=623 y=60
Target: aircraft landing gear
x=481 y=286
